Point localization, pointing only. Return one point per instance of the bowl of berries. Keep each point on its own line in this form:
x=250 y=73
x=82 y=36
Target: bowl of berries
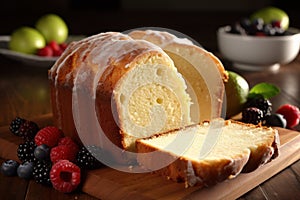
x=259 y=43
x=40 y=45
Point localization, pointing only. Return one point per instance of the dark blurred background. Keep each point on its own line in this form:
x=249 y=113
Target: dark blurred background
x=93 y=16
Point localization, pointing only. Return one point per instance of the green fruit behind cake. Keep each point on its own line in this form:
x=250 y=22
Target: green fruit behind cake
x=53 y=28
x=237 y=89
x=26 y=40
x=271 y=14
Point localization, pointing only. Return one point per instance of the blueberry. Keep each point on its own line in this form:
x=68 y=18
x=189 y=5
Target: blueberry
x=245 y=23
x=235 y=28
x=276 y=120
x=269 y=30
x=279 y=31
x=42 y=152
x=252 y=30
x=25 y=170
x=258 y=22
x=9 y=168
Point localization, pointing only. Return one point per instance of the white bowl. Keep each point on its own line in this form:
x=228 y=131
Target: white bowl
x=258 y=53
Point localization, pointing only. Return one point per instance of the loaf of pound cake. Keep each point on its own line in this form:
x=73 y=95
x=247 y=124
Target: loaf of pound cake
x=125 y=88
x=149 y=92
x=130 y=88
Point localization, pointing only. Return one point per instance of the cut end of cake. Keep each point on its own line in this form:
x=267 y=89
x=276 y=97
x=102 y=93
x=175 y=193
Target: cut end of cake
x=151 y=98
x=203 y=155
x=203 y=71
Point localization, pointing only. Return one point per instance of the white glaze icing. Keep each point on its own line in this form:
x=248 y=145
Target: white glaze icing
x=166 y=38
x=191 y=178
x=56 y=69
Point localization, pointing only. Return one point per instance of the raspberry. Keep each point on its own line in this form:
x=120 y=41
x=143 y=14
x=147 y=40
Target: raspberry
x=276 y=23
x=263 y=104
x=49 y=135
x=252 y=115
x=70 y=143
x=15 y=125
x=52 y=49
x=28 y=130
x=57 y=51
x=62 y=152
x=260 y=34
x=65 y=176
x=63 y=46
x=45 y=52
x=54 y=45
x=291 y=113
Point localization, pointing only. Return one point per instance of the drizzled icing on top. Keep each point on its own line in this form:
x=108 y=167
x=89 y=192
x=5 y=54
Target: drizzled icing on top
x=93 y=55
x=161 y=38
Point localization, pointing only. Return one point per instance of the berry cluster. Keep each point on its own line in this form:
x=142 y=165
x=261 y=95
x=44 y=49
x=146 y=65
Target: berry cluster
x=49 y=157
x=23 y=128
x=257 y=27
x=52 y=49
x=291 y=113
x=258 y=110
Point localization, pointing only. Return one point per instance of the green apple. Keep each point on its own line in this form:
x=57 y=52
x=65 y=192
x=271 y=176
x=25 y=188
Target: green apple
x=52 y=27
x=237 y=89
x=269 y=14
x=26 y=40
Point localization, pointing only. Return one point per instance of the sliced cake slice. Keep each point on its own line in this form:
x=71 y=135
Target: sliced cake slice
x=236 y=148
x=204 y=73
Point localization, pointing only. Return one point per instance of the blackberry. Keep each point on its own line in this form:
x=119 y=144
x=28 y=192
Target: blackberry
x=86 y=157
x=41 y=172
x=25 y=151
x=252 y=115
x=261 y=103
x=15 y=125
x=28 y=130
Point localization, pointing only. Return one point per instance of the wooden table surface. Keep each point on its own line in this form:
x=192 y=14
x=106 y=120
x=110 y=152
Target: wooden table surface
x=24 y=92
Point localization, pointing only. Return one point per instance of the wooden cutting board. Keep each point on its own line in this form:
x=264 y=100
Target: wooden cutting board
x=107 y=183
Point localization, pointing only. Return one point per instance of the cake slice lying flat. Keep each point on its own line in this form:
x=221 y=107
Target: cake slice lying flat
x=236 y=148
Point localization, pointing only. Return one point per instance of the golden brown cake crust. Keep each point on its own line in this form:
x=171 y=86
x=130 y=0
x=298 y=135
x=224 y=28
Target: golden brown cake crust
x=204 y=174
x=84 y=57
